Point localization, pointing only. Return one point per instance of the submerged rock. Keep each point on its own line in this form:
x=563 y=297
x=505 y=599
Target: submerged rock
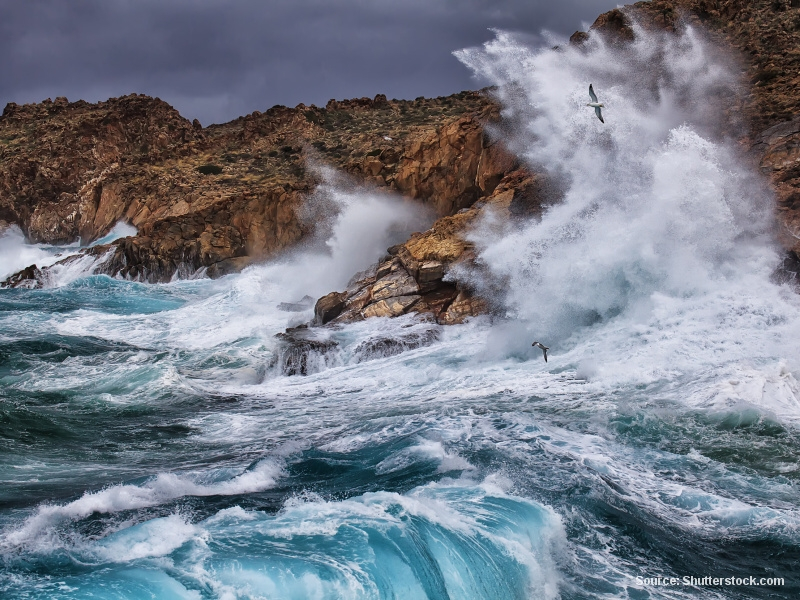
x=382 y=346
x=301 y=352
x=31 y=277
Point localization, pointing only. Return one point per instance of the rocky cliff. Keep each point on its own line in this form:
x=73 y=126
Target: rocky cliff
x=226 y=195
x=763 y=36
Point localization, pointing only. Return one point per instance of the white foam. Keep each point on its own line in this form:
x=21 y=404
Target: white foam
x=425 y=450
x=460 y=511
x=154 y=538
x=38 y=529
x=61 y=274
x=353 y=228
x=16 y=254
x=656 y=263
x=120 y=230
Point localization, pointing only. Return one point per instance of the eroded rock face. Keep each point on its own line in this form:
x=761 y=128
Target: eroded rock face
x=301 y=351
x=221 y=197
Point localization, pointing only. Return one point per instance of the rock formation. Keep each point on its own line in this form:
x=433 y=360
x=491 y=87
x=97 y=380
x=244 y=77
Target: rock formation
x=416 y=276
x=223 y=196
x=762 y=33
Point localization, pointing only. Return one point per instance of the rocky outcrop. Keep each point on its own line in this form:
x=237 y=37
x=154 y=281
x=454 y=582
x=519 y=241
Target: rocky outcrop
x=415 y=277
x=30 y=277
x=220 y=197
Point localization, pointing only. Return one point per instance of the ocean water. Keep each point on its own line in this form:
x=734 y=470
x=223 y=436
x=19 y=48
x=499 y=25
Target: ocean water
x=150 y=448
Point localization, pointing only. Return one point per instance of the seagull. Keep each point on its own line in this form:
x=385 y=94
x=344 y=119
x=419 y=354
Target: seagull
x=597 y=105
x=543 y=347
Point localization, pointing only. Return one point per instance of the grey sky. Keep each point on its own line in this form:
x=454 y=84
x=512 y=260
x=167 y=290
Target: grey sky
x=219 y=59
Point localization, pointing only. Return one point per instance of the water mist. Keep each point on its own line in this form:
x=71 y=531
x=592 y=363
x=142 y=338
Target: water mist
x=659 y=211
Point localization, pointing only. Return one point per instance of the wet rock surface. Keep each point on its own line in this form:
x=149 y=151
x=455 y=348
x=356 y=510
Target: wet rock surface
x=329 y=307
x=30 y=278
x=380 y=346
x=302 y=351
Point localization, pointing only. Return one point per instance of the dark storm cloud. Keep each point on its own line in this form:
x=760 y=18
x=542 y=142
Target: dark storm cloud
x=218 y=59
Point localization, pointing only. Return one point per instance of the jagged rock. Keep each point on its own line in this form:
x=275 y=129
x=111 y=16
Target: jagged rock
x=436 y=302
x=615 y=25
x=395 y=283
x=300 y=352
x=29 y=278
x=390 y=307
x=387 y=267
x=329 y=307
x=429 y=275
x=464 y=306
x=470 y=162
x=354 y=304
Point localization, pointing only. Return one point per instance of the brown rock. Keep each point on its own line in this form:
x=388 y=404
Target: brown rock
x=329 y=307
x=463 y=306
x=436 y=302
x=205 y=197
x=430 y=274
x=391 y=307
x=373 y=166
x=396 y=283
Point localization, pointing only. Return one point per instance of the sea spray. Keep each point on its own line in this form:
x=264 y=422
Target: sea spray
x=656 y=208
x=16 y=253
x=352 y=228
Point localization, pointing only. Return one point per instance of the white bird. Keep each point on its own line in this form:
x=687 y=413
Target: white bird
x=543 y=347
x=387 y=138
x=597 y=105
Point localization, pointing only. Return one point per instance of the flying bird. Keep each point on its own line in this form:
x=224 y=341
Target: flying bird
x=543 y=347
x=597 y=105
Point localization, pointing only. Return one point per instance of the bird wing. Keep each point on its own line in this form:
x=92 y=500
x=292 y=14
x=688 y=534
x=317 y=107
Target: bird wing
x=545 y=355
x=592 y=94
x=598 y=113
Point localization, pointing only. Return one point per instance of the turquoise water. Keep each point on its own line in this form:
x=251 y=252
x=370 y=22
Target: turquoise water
x=140 y=460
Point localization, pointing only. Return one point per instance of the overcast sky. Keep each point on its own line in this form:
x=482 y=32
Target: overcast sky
x=218 y=59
